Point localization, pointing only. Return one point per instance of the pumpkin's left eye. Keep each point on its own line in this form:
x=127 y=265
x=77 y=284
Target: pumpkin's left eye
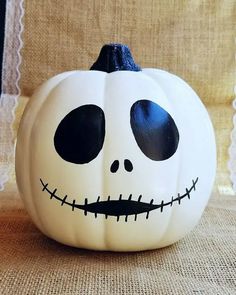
x=80 y=135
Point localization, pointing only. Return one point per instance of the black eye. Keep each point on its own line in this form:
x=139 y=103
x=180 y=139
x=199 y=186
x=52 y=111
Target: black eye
x=154 y=130
x=80 y=135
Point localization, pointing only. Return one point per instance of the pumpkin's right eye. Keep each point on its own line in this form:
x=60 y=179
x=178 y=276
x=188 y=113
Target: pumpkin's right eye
x=154 y=130
x=80 y=135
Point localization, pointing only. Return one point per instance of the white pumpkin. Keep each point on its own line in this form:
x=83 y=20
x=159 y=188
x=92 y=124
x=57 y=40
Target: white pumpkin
x=121 y=159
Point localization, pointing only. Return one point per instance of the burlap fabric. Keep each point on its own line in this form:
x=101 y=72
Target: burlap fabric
x=193 y=39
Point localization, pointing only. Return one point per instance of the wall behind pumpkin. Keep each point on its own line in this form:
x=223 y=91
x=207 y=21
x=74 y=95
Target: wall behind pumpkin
x=193 y=39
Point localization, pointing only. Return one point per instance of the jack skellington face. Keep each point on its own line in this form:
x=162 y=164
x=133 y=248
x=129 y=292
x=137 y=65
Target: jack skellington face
x=116 y=143
x=80 y=136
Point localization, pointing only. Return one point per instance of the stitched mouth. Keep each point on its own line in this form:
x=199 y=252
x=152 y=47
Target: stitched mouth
x=120 y=207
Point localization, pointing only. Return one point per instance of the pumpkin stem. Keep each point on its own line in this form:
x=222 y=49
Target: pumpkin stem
x=115 y=57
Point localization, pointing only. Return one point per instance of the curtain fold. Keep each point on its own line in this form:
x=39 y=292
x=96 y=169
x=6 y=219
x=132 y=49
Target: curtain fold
x=10 y=85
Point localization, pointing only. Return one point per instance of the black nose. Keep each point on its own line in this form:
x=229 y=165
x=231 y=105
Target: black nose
x=115 y=166
x=128 y=165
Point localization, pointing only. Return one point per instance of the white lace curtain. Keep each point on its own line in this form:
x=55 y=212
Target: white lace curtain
x=232 y=149
x=10 y=84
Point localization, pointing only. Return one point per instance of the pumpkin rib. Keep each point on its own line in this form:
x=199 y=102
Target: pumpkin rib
x=105 y=231
x=150 y=76
x=172 y=79
x=34 y=104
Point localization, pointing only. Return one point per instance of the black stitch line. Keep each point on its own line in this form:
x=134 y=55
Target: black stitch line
x=85 y=203
x=165 y=204
x=194 y=183
x=179 y=198
x=73 y=205
x=63 y=201
x=45 y=186
x=184 y=195
x=187 y=192
x=53 y=193
x=162 y=205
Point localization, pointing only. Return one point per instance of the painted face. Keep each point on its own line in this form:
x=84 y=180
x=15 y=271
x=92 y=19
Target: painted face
x=119 y=161
x=79 y=139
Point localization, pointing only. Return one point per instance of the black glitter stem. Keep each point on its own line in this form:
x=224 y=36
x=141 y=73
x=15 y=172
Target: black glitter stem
x=115 y=57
